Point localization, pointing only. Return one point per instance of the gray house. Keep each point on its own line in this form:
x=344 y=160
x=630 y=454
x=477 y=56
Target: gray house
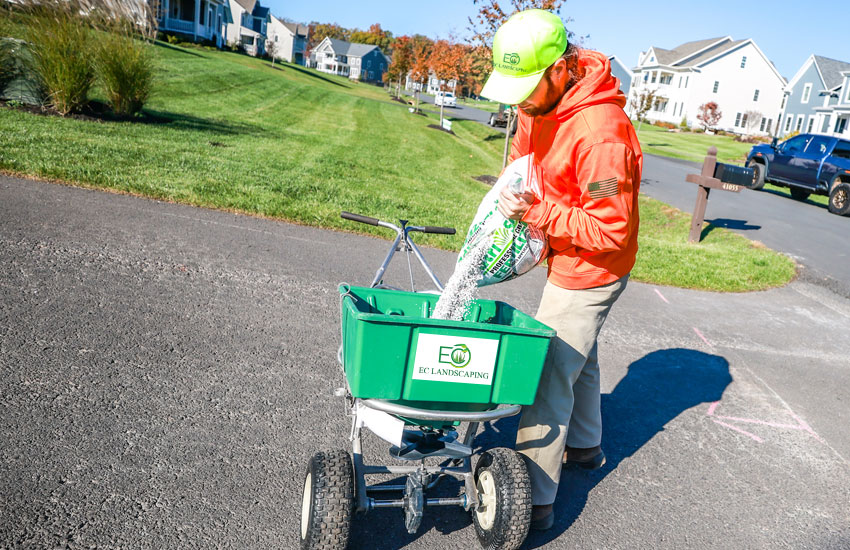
x=364 y=62
x=817 y=99
x=622 y=72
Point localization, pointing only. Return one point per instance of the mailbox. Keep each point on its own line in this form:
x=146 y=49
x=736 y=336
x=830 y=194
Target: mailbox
x=736 y=175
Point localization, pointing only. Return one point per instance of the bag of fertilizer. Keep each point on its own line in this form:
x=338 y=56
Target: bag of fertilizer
x=515 y=247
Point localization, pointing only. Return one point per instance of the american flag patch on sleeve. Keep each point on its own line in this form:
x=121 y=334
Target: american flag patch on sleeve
x=604 y=188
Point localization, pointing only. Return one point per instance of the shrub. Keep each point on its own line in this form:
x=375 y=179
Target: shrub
x=171 y=39
x=62 y=55
x=662 y=124
x=125 y=68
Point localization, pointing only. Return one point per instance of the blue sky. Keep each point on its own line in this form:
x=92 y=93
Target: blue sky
x=786 y=31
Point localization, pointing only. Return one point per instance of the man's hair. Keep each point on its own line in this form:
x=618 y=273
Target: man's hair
x=574 y=71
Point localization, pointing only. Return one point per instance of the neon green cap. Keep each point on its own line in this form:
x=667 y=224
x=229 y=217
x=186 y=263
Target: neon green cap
x=523 y=48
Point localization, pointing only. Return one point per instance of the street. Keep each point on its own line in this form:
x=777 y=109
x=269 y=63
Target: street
x=167 y=371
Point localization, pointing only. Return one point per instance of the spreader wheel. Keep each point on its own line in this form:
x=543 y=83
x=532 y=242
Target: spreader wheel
x=328 y=502
x=503 y=514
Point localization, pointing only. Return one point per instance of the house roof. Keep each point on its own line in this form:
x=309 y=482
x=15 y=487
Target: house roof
x=341 y=47
x=830 y=70
x=297 y=28
x=248 y=5
x=682 y=51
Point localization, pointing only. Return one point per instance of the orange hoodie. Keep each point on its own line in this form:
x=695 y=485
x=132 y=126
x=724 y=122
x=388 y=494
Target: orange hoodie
x=591 y=164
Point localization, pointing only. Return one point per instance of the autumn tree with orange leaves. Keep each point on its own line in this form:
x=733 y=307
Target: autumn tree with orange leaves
x=400 y=63
x=420 y=66
x=446 y=63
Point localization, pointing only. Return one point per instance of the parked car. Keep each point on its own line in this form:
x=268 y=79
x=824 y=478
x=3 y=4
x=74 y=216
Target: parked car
x=446 y=99
x=806 y=164
x=500 y=118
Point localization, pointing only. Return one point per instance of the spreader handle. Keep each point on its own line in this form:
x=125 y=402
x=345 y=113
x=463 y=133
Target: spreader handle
x=359 y=218
x=438 y=230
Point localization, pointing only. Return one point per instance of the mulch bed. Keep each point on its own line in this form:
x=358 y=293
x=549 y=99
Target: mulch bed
x=436 y=127
x=94 y=111
x=489 y=180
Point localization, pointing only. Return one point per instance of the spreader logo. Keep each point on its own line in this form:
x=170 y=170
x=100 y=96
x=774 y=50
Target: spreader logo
x=457 y=356
x=511 y=58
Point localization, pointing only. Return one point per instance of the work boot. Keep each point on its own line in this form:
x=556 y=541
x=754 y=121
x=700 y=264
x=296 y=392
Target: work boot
x=587 y=459
x=542 y=517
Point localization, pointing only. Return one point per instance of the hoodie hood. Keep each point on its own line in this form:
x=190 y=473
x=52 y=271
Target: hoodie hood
x=596 y=87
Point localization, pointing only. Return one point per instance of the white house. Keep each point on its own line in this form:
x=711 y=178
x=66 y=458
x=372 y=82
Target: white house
x=817 y=98
x=364 y=62
x=197 y=20
x=250 y=22
x=735 y=74
x=290 y=40
x=432 y=86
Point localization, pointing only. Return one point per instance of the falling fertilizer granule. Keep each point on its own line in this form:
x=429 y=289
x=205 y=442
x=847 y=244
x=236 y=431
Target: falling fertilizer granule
x=463 y=285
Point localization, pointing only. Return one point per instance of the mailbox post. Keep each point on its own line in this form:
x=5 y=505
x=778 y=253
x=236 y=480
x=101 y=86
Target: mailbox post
x=714 y=175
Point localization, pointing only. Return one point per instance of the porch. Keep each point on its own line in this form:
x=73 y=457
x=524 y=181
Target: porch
x=200 y=19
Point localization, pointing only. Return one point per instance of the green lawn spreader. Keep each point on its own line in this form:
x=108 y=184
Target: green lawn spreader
x=413 y=380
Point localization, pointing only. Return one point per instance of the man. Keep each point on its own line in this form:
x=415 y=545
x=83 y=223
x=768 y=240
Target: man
x=572 y=119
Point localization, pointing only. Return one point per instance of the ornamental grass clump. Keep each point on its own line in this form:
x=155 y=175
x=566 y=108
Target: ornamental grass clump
x=62 y=49
x=8 y=48
x=125 y=68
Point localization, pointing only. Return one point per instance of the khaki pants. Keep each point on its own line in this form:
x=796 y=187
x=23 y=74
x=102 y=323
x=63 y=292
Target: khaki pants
x=567 y=407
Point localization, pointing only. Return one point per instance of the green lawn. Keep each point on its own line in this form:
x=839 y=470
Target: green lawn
x=690 y=145
x=227 y=131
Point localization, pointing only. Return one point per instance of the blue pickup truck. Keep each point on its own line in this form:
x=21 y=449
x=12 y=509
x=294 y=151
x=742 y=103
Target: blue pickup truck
x=806 y=164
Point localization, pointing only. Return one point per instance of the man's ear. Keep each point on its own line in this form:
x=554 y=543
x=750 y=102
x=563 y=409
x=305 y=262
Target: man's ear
x=559 y=69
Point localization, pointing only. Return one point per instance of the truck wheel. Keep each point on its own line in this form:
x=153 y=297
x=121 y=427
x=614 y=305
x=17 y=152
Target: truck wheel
x=839 y=199
x=503 y=514
x=799 y=194
x=328 y=502
x=758 y=175
x=492 y=120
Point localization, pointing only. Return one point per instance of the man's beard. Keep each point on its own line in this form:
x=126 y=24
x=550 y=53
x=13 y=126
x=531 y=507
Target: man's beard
x=549 y=102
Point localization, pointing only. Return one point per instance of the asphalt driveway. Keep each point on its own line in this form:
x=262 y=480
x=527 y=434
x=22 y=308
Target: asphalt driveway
x=166 y=371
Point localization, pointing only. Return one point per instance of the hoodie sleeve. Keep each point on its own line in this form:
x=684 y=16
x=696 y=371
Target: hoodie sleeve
x=603 y=220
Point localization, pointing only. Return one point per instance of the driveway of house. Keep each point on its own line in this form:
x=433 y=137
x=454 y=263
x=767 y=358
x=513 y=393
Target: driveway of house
x=166 y=372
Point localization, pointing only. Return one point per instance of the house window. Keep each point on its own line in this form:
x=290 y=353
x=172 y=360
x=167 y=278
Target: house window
x=769 y=124
x=756 y=96
x=665 y=79
x=847 y=95
x=686 y=81
x=811 y=124
x=825 y=127
x=744 y=121
x=716 y=85
x=276 y=38
x=654 y=76
x=680 y=82
x=807 y=92
x=840 y=124
x=328 y=55
x=646 y=77
x=761 y=126
x=743 y=61
x=799 y=123
x=738 y=119
x=788 y=122
x=369 y=64
x=784 y=99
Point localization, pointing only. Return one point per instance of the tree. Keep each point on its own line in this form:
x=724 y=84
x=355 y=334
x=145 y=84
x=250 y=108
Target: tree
x=641 y=102
x=709 y=114
x=400 y=61
x=271 y=49
x=445 y=63
x=419 y=66
x=753 y=120
x=375 y=35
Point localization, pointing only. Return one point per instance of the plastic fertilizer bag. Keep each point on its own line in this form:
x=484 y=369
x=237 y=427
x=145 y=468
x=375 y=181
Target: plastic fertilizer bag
x=515 y=247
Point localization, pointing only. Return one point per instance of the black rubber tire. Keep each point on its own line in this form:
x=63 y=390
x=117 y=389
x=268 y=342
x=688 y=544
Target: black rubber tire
x=492 y=121
x=513 y=500
x=839 y=199
x=331 y=505
x=799 y=194
x=758 y=175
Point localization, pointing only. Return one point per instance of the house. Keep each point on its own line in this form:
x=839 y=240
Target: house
x=735 y=74
x=622 y=72
x=290 y=40
x=197 y=20
x=817 y=98
x=364 y=62
x=250 y=23
x=432 y=86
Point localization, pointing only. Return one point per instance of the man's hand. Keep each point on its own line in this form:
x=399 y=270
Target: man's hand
x=513 y=206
